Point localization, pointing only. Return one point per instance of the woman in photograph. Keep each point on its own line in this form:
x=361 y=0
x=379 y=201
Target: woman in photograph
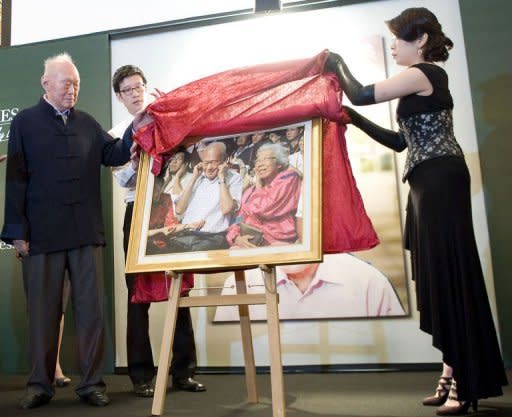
x=450 y=288
x=163 y=221
x=268 y=207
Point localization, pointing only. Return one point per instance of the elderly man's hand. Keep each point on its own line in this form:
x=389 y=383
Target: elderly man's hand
x=3 y=158
x=223 y=169
x=22 y=248
x=142 y=119
x=135 y=155
x=198 y=169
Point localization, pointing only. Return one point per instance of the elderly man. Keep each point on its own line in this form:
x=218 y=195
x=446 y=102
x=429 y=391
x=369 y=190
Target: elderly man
x=53 y=218
x=210 y=199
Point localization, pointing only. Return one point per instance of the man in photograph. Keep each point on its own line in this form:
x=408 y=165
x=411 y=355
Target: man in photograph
x=209 y=200
x=341 y=286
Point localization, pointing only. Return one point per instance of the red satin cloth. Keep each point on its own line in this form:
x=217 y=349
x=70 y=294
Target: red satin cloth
x=152 y=287
x=261 y=97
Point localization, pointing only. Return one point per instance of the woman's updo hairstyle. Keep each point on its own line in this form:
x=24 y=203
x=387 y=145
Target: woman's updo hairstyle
x=412 y=23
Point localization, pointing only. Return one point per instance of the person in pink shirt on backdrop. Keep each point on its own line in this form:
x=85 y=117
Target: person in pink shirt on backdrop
x=269 y=206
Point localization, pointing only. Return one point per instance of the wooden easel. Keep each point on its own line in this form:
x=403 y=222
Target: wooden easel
x=243 y=300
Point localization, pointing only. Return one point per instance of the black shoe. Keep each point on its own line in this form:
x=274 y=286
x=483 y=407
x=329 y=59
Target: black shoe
x=96 y=398
x=144 y=389
x=31 y=400
x=442 y=391
x=188 y=384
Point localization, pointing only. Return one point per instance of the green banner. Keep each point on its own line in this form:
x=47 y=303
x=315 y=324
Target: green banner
x=20 y=87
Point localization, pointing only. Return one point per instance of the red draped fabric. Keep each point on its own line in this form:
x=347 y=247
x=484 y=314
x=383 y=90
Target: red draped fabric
x=262 y=97
x=152 y=287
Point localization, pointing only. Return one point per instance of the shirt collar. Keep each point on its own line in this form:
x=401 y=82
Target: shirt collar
x=58 y=112
x=322 y=273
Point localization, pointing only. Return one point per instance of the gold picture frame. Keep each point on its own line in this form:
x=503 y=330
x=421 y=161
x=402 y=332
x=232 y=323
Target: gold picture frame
x=307 y=247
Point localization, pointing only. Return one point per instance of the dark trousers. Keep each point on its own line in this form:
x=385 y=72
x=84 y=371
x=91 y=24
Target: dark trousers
x=43 y=278
x=138 y=344
x=188 y=241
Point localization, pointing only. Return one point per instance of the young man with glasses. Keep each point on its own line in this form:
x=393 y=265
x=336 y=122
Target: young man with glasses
x=129 y=84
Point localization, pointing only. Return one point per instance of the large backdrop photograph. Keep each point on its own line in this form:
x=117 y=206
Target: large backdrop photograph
x=356 y=331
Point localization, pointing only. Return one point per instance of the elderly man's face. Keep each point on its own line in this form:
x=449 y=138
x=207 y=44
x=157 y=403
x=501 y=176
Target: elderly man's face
x=61 y=84
x=211 y=159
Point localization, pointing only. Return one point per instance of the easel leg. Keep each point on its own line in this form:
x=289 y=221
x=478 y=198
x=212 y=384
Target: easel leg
x=245 y=325
x=164 y=362
x=274 y=340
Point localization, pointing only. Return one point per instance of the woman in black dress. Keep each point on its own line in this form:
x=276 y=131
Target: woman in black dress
x=450 y=289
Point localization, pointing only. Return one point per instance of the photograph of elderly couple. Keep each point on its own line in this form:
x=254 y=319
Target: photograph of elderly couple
x=235 y=192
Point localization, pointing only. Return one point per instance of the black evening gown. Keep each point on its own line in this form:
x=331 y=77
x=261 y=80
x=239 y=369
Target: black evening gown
x=450 y=289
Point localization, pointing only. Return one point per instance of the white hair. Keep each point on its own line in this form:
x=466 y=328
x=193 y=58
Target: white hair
x=279 y=151
x=218 y=145
x=63 y=57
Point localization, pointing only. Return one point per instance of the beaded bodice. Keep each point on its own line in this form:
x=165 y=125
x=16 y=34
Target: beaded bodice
x=428 y=135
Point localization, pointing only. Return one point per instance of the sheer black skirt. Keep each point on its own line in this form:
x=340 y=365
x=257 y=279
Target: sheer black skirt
x=450 y=290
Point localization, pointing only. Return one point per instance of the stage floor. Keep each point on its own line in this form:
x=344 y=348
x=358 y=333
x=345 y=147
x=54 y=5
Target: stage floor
x=383 y=394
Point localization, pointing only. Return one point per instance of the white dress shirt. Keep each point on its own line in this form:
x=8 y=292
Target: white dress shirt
x=204 y=203
x=125 y=175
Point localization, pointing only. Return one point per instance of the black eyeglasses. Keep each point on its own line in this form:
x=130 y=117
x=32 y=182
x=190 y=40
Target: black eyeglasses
x=139 y=88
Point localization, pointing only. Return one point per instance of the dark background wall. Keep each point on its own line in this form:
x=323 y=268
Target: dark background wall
x=487 y=34
x=21 y=69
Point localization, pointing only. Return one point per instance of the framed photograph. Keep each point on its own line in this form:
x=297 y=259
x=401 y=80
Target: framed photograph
x=228 y=202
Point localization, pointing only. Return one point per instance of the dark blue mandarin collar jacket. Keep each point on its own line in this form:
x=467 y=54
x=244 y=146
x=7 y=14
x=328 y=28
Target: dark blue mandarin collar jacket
x=53 y=189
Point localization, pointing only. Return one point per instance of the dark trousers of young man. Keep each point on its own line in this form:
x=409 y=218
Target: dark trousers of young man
x=140 y=357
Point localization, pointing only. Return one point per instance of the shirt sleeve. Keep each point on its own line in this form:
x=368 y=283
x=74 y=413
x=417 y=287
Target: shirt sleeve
x=125 y=176
x=382 y=299
x=235 y=188
x=116 y=151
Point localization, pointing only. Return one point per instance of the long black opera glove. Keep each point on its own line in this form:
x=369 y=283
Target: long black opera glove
x=358 y=94
x=386 y=137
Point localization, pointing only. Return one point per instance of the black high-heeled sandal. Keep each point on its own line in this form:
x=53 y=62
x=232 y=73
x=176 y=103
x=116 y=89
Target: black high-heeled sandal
x=442 y=391
x=456 y=410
